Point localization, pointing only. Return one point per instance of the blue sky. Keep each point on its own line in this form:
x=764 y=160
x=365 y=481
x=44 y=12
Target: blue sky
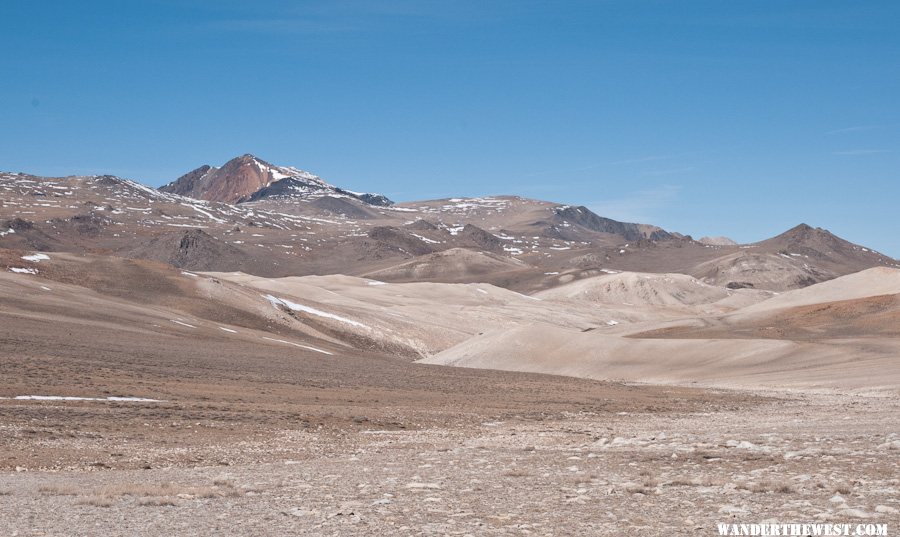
x=735 y=118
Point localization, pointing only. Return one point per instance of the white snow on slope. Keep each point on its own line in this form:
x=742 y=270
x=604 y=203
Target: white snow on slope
x=206 y=213
x=312 y=311
x=298 y=345
x=71 y=398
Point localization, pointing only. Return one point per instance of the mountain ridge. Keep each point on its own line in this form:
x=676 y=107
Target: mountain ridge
x=248 y=178
x=274 y=236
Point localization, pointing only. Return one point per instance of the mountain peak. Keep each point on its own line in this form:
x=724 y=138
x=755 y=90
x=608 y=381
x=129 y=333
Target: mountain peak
x=584 y=217
x=803 y=232
x=816 y=242
x=249 y=178
x=717 y=241
x=801 y=228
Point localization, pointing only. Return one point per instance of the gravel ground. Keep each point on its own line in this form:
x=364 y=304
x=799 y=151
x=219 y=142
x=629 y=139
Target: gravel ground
x=791 y=458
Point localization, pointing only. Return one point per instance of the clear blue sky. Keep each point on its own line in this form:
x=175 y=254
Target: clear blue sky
x=740 y=118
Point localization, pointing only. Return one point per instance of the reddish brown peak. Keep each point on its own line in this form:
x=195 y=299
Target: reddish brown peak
x=805 y=231
x=244 y=159
x=236 y=180
x=187 y=183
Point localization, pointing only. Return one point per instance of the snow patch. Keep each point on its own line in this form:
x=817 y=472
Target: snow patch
x=424 y=239
x=298 y=345
x=70 y=398
x=36 y=257
x=312 y=311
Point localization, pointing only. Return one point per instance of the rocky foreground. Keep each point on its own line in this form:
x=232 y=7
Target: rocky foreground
x=776 y=456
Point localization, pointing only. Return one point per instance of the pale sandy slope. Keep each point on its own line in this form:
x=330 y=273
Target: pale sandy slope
x=867 y=283
x=455 y=263
x=850 y=363
x=663 y=291
x=660 y=328
x=420 y=319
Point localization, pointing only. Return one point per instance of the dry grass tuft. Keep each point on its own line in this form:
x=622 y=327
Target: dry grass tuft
x=516 y=473
x=157 y=502
x=766 y=486
x=843 y=489
x=60 y=490
x=171 y=490
x=635 y=488
x=160 y=495
x=96 y=501
x=784 y=488
x=695 y=482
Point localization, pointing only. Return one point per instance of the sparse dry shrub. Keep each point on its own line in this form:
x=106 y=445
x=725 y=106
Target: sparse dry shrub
x=170 y=490
x=755 y=456
x=138 y=489
x=843 y=489
x=96 y=501
x=59 y=490
x=156 y=502
x=516 y=473
x=635 y=488
x=696 y=482
x=705 y=454
x=208 y=492
x=763 y=487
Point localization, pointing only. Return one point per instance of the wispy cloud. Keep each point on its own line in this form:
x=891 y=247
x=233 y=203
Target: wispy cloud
x=636 y=160
x=860 y=152
x=641 y=206
x=670 y=171
x=856 y=128
x=639 y=160
x=279 y=26
x=336 y=16
x=564 y=170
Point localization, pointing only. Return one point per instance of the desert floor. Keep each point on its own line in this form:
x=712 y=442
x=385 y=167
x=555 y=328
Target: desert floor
x=296 y=444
